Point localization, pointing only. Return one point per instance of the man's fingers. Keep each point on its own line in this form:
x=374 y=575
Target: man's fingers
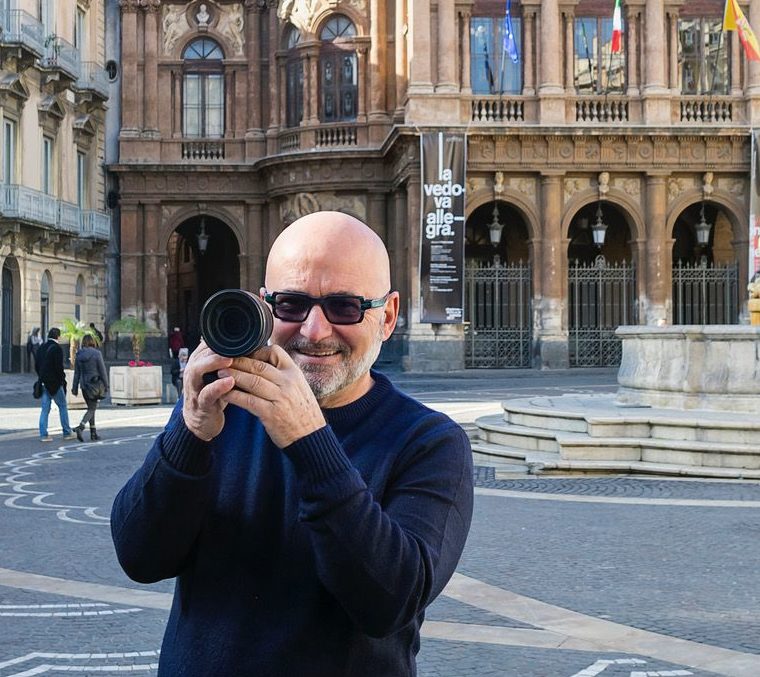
x=213 y=392
x=246 y=401
x=259 y=364
x=253 y=383
x=203 y=361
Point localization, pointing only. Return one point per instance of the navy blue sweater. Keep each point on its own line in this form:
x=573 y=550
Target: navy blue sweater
x=313 y=561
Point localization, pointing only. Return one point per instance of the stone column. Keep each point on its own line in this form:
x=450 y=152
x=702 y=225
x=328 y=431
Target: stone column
x=551 y=306
x=377 y=61
x=361 y=67
x=529 y=83
x=447 y=47
x=656 y=104
x=400 y=57
x=674 y=84
x=254 y=132
x=255 y=247
x=550 y=91
x=465 y=15
x=420 y=77
x=313 y=87
x=283 y=91
x=131 y=260
x=632 y=51
x=150 y=76
x=177 y=83
x=736 y=64
x=155 y=268
x=129 y=94
x=655 y=296
x=569 y=59
x=274 y=99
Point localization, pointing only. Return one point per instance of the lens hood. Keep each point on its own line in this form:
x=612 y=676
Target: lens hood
x=235 y=323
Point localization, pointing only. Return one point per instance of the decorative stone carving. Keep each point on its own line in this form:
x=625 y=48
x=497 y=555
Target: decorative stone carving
x=232 y=26
x=627 y=185
x=676 y=186
x=296 y=206
x=575 y=184
x=174 y=25
x=524 y=185
x=498 y=183
x=352 y=204
x=734 y=186
x=300 y=13
x=359 y=5
x=604 y=183
x=203 y=17
x=707 y=187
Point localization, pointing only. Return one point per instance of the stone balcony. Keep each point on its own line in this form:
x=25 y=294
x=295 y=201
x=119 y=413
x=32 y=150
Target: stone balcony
x=21 y=36
x=92 y=81
x=60 y=61
x=95 y=225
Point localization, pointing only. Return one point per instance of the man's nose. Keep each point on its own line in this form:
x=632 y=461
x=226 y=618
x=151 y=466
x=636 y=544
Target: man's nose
x=316 y=326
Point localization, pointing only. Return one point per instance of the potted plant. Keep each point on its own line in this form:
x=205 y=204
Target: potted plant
x=139 y=382
x=74 y=331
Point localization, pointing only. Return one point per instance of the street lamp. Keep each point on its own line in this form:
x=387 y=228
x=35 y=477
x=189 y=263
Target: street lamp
x=495 y=227
x=599 y=227
x=703 y=228
x=203 y=237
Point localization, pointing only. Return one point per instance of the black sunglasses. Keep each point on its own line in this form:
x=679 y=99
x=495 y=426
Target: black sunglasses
x=291 y=306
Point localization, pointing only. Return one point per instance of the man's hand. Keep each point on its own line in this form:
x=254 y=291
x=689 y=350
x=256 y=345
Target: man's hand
x=203 y=405
x=272 y=387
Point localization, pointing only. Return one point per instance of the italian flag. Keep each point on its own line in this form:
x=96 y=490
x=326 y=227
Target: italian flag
x=617 y=29
x=734 y=20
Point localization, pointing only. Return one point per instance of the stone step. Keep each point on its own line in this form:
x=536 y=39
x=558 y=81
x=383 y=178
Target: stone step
x=493 y=430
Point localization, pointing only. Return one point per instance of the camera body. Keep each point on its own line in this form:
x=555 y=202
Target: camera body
x=235 y=322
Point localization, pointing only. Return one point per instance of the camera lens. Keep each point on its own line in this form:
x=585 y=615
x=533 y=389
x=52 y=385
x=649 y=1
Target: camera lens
x=235 y=323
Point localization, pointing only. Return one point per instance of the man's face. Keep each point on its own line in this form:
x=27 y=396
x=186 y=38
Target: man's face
x=335 y=359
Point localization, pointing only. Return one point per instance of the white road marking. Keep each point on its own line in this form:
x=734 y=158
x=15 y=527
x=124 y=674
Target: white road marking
x=67 y=614
x=37 y=655
x=662 y=673
x=41 y=669
x=601 y=665
x=83 y=605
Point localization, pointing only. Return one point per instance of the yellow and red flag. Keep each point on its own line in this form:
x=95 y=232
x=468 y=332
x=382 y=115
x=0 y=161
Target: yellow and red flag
x=734 y=20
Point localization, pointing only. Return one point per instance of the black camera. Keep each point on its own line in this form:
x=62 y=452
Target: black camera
x=235 y=323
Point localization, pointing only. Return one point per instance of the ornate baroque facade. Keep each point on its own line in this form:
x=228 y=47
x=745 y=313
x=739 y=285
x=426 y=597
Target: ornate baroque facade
x=238 y=117
x=53 y=223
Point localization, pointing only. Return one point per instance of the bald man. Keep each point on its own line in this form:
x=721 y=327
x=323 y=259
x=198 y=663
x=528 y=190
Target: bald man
x=309 y=510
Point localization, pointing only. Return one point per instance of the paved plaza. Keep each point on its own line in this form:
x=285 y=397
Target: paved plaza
x=561 y=576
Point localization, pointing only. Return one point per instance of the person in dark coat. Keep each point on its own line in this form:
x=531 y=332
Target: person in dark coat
x=176 y=341
x=33 y=344
x=90 y=373
x=49 y=366
x=97 y=332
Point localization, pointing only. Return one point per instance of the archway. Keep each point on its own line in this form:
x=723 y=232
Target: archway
x=203 y=257
x=10 y=338
x=705 y=267
x=601 y=284
x=46 y=285
x=498 y=325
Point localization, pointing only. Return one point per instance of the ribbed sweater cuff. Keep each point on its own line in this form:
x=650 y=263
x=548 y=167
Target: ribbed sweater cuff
x=184 y=451
x=318 y=457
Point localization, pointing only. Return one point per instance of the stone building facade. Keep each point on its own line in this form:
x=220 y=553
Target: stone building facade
x=240 y=116
x=54 y=225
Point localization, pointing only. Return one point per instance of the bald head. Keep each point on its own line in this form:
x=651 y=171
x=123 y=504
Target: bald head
x=327 y=249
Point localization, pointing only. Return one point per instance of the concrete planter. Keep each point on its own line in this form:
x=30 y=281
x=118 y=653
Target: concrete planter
x=71 y=401
x=135 y=385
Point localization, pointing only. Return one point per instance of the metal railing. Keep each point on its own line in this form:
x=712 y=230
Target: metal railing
x=710 y=109
x=95 y=224
x=21 y=28
x=68 y=217
x=93 y=77
x=705 y=294
x=497 y=109
x=60 y=54
x=27 y=204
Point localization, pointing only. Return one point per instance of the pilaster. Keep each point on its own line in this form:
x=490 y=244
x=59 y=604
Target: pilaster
x=655 y=94
x=550 y=91
x=655 y=297
x=254 y=133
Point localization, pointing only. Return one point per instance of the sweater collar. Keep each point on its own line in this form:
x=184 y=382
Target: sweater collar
x=357 y=411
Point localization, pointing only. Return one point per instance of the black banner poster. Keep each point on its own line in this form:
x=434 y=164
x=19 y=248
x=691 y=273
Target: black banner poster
x=443 y=159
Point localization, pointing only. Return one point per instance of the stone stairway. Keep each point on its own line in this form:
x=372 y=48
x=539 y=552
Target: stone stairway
x=595 y=434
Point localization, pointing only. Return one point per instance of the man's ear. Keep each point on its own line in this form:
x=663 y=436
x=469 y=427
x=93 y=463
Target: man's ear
x=390 y=316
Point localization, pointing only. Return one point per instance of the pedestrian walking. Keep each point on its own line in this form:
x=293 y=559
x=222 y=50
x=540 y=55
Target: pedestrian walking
x=309 y=509
x=178 y=369
x=90 y=374
x=49 y=368
x=97 y=332
x=176 y=341
x=33 y=343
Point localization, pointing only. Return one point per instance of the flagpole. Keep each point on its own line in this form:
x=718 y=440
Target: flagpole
x=588 y=57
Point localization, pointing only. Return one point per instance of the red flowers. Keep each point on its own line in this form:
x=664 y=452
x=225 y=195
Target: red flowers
x=139 y=363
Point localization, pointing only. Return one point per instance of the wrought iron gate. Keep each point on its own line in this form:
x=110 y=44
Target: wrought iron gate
x=705 y=294
x=602 y=297
x=498 y=315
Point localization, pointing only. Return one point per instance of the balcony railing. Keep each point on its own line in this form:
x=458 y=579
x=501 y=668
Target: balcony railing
x=339 y=135
x=291 y=141
x=18 y=27
x=95 y=225
x=93 y=78
x=27 y=204
x=491 y=109
x=706 y=109
x=61 y=55
x=68 y=217
x=605 y=109
x=203 y=150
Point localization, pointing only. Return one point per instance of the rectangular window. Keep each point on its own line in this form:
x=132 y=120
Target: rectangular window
x=47 y=16
x=597 y=69
x=47 y=165
x=492 y=70
x=81 y=180
x=294 y=109
x=9 y=151
x=191 y=110
x=214 y=127
x=703 y=57
x=80 y=32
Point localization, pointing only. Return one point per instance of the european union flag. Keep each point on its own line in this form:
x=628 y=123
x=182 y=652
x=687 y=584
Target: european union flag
x=510 y=46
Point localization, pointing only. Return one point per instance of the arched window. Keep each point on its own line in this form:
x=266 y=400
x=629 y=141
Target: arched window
x=78 y=297
x=203 y=91
x=294 y=70
x=338 y=77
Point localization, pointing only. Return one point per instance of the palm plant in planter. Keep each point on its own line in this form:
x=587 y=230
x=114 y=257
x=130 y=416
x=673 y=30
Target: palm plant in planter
x=74 y=331
x=135 y=328
x=129 y=385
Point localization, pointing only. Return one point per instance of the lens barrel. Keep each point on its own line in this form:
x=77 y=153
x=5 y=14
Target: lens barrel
x=236 y=323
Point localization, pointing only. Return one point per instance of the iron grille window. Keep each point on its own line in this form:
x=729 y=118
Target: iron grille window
x=338 y=76
x=294 y=75
x=203 y=92
x=597 y=69
x=703 y=57
x=492 y=71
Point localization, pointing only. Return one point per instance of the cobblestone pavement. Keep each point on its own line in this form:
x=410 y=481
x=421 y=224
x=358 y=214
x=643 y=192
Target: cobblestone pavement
x=545 y=576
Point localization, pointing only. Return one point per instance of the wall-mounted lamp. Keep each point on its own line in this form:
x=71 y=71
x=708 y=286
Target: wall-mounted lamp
x=203 y=237
x=495 y=227
x=703 y=228
x=599 y=227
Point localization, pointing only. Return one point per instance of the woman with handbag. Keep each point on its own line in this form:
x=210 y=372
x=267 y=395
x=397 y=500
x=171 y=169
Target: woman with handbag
x=90 y=373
